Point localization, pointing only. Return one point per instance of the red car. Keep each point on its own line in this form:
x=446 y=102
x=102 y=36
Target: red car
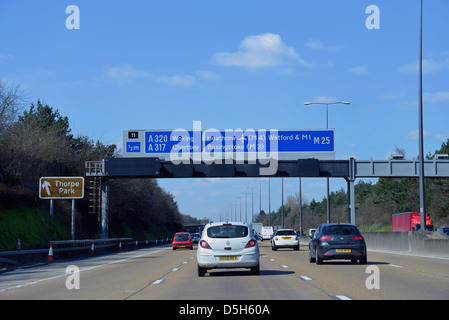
x=182 y=240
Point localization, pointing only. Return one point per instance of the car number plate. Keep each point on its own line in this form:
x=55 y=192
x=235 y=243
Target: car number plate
x=343 y=250
x=228 y=258
x=286 y=238
x=182 y=246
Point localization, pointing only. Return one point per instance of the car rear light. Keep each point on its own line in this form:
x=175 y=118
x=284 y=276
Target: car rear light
x=325 y=238
x=357 y=238
x=251 y=243
x=204 y=245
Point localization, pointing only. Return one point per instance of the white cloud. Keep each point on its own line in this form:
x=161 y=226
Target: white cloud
x=6 y=56
x=428 y=66
x=359 y=70
x=324 y=99
x=208 y=75
x=319 y=45
x=125 y=73
x=217 y=194
x=406 y=106
x=438 y=97
x=262 y=50
x=414 y=134
x=393 y=96
x=442 y=136
x=178 y=80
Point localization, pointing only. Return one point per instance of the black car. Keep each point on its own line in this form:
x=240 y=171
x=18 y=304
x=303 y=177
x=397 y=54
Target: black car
x=337 y=241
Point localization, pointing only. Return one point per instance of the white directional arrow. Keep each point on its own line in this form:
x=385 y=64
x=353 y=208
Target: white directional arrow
x=46 y=185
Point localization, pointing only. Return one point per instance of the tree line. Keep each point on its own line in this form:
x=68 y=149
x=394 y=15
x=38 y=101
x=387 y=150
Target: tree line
x=36 y=140
x=375 y=202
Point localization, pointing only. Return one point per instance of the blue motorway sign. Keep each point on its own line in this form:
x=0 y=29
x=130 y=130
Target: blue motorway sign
x=161 y=142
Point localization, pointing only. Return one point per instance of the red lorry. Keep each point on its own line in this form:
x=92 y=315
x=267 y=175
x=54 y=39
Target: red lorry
x=410 y=221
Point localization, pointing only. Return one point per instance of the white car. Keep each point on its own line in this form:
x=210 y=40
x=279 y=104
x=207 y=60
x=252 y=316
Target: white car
x=227 y=245
x=285 y=238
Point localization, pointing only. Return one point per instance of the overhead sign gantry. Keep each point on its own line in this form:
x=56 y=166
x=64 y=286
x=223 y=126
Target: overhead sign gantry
x=243 y=153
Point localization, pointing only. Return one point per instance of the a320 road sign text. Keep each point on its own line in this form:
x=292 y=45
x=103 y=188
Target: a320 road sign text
x=61 y=187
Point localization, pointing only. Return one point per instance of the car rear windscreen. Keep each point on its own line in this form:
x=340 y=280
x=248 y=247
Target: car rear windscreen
x=227 y=231
x=341 y=231
x=285 y=233
x=181 y=237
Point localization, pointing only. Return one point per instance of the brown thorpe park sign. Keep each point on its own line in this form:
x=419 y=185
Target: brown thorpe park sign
x=61 y=187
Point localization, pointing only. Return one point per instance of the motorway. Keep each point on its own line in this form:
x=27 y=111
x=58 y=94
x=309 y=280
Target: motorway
x=161 y=273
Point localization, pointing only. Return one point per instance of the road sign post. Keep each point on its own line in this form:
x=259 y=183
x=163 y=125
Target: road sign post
x=62 y=188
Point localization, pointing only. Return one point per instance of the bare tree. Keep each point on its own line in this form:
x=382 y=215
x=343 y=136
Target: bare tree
x=400 y=151
x=11 y=100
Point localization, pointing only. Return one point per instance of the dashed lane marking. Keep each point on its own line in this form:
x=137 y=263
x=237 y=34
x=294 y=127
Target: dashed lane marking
x=395 y=266
x=341 y=297
x=159 y=281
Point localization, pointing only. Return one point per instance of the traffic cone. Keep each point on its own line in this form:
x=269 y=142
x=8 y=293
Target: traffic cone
x=50 y=254
x=92 y=248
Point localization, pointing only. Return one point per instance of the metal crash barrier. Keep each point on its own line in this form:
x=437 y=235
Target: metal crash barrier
x=68 y=249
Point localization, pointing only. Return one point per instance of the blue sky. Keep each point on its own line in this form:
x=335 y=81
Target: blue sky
x=235 y=64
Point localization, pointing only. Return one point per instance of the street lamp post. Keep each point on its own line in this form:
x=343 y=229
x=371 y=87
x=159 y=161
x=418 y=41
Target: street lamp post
x=422 y=194
x=260 y=194
x=246 y=206
x=282 y=202
x=327 y=127
x=300 y=207
x=252 y=203
x=240 y=200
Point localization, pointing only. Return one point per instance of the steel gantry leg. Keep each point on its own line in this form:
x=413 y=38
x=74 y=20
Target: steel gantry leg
x=351 y=193
x=104 y=209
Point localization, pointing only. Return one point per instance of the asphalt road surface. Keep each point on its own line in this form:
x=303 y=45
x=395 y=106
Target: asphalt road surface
x=161 y=273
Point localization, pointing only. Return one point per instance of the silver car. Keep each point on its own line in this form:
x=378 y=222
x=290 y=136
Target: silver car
x=227 y=245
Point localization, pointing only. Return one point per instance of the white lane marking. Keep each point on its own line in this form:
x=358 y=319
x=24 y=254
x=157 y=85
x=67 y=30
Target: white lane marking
x=81 y=269
x=395 y=266
x=158 y=281
x=175 y=269
x=421 y=255
x=305 y=278
x=272 y=259
x=341 y=297
x=284 y=266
